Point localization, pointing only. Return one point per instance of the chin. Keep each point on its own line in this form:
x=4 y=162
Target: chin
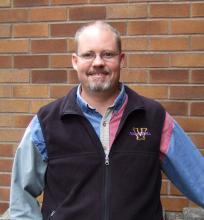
x=100 y=87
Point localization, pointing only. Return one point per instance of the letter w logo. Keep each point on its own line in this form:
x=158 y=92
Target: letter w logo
x=140 y=133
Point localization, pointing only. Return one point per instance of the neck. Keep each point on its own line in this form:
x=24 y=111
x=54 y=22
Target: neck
x=100 y=100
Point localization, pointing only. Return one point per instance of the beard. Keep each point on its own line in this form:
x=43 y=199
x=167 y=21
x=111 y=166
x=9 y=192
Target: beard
x=99 y=84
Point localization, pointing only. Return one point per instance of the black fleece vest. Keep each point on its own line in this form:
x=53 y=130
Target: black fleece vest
x=79 y=185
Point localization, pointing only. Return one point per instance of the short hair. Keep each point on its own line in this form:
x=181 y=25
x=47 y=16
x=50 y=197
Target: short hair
x=101 y=24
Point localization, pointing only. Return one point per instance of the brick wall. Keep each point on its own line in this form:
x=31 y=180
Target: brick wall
x=164 y=43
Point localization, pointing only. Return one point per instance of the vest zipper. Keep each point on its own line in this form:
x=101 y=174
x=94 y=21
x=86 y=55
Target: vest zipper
x=52 y=214
x=106 y=192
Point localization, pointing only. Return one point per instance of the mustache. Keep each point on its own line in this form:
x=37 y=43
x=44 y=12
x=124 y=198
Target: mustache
x=101 y=71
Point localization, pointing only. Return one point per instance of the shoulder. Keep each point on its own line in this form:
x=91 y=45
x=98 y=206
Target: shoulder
x=57 y=106
x=142 y=101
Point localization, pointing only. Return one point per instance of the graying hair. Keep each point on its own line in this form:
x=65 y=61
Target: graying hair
x=101 y=24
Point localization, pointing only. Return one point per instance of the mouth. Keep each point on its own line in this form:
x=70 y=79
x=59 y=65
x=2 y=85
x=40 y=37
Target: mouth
x=98 y=73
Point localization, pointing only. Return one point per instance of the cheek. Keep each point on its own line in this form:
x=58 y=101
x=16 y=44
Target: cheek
x=82 y=68
x=115 y=69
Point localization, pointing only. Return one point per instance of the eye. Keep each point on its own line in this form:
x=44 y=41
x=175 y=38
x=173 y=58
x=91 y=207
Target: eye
x=87 y=56
x=108 y=54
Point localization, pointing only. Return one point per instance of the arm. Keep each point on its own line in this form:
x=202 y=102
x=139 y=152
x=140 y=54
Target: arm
x=28 y=175
x=182 y=162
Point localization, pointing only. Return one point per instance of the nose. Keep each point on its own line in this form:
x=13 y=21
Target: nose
x=98 y=61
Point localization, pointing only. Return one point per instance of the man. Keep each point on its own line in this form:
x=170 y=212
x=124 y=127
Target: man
x=97 y=153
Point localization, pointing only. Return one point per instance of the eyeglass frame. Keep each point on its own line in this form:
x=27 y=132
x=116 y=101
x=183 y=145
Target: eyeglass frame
x=102 y=55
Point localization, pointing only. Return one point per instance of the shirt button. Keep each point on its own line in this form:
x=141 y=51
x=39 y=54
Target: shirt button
x=104 y=124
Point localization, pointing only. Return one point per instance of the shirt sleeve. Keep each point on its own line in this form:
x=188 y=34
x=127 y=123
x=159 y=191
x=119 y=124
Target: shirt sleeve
x=28 y=172
x=182 y=162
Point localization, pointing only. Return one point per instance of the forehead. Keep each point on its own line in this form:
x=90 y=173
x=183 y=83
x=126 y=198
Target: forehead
x=97 y=38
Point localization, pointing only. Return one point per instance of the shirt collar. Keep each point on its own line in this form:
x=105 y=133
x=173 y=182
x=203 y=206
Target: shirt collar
x=120 y=99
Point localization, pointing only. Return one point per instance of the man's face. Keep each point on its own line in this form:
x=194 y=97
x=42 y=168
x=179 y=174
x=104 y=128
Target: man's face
x=98 y=60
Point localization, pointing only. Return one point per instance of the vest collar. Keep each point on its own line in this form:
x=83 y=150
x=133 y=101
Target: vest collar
x=70 y=106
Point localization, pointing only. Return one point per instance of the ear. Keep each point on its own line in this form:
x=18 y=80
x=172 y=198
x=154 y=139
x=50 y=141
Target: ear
x=122 y=60
x=74 y=61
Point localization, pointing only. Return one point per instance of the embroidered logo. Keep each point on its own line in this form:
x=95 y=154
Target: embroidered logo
x=140 y=133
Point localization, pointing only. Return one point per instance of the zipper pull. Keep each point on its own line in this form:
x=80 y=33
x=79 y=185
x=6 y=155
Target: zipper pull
x=106 y=160
x=52 y=213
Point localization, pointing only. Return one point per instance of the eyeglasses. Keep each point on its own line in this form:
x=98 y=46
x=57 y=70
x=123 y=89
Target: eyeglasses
x=104 y=55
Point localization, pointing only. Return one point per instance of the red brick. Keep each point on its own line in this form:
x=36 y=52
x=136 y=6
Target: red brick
x=14 y=106
x=15 y=121
x=191 y=124
x=198 y=9
x=5 y=3
x=134 y=76
x=30 y=30
x=147 y=0
x=197 y=109
x=169 y=43
x=108 y=1
x=176 y=108
x=169 y=76
x=169 y=10
x=148 y=60
x=21 y=121
x=164 y=188
x=87 y=13
x=64 y=30
x=134 y=43
x=129 y=11
x=58 y=91
x=28 y=3
x=48 y=14
x=174 y=203
x=14 y=46
x=5 y=61
x=49 y=46
x=5 y=164
x=187 y=60
x=197 y=42
x=147 y=27
x=187 y=26
x=155 y=92
x=72 y=77
x=49 y=76
x=61 y=61
x=5 y=179
x=71 y=46
x=6 y=150
x=174 y=191
x=67 y=2
x=186 y=92
x=197 y=76
x=198 y=139
x=31 y=91
x=120 y=26
x=40 y=198
x=4 y=194
x=69 y=30
x=14 y=15
x=14 y=76
x=3 y=207
x=5 y=30
x=30 y=61
x=37 y=104
x=5 y=91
